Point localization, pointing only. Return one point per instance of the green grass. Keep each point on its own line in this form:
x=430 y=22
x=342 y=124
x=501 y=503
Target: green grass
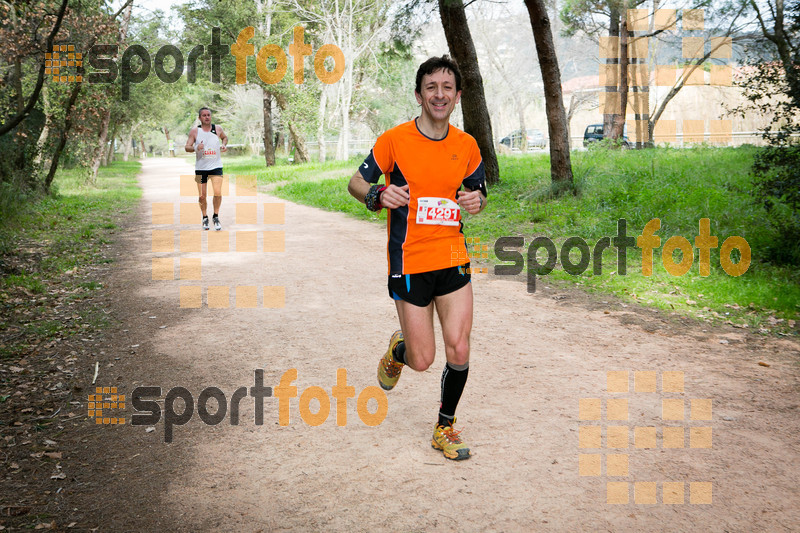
x=677 y=186
x=49 y=247
x=285 y=171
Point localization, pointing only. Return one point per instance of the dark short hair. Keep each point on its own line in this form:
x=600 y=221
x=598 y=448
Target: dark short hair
x=201 y=110
x=438 y=63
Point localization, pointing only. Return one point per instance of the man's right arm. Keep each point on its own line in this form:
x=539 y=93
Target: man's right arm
x=190 y=141
x=358 y=187
x=392 y=196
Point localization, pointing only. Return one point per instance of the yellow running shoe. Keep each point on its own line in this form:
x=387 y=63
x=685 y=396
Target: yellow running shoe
x=389 y=369
x=446 y=438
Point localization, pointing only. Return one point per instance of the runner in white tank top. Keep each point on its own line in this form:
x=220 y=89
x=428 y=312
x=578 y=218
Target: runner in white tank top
x=208 y=141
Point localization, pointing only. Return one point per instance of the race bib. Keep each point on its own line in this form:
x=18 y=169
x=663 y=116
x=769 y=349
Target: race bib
x=439 y=211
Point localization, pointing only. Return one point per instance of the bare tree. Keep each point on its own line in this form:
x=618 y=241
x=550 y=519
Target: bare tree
x=355 y=26
x=513 y=82
x=580 y=99
x=625 y=32
x=719 y=41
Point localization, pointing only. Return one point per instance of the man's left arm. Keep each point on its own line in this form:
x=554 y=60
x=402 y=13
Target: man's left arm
x=223 y=139
x=473 y=197
x=472 y=201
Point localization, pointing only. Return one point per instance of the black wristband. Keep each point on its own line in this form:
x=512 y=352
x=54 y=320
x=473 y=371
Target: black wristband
x=373 y=198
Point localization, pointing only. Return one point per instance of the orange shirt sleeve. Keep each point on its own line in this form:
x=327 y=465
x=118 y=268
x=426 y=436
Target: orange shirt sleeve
x=379 y=161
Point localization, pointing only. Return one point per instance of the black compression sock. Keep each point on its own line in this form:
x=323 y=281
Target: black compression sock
x=399 y=352
x=454 y=377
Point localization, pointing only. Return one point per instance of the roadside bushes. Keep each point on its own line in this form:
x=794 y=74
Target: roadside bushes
x=776 y=178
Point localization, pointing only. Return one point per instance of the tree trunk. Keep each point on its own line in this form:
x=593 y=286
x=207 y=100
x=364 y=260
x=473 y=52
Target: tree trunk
x=144 y=149
x=127 y=141
x=170 y=145
x=101 y=145
x=573 y=106
x=280 y=141
x=648 y=141
x=323 y=102
x=618 y=127
x=62 y=141
x=110 y=152
x=269 y=147
x=301 y=152
x=18 y=85
x=295 y=139
x=41 y=143
x=473 y=101
x=347 y=98
x=560 y=166
x=613 y=31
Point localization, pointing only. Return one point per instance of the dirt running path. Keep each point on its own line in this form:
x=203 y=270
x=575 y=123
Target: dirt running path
x=534 y=357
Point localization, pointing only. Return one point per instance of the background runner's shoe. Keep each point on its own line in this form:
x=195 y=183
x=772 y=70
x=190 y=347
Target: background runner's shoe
x=217 y=225
x=389 y=369
x=446 y=438
x=205 y=222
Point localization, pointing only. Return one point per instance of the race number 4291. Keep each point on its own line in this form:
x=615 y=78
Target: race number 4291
x=439 y=211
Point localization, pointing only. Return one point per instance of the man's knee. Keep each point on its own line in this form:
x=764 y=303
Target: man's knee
x=458 y=352
x=420 y=359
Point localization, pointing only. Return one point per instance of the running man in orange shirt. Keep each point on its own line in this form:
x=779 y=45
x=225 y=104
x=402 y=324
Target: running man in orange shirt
x=426 y=162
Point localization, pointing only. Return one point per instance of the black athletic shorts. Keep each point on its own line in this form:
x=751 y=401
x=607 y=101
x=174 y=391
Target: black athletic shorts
x=420 y=289
x=204 y=174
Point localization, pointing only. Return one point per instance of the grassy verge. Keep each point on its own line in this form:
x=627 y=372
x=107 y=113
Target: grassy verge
x=285 y=171
x=48 y=251
x=677 y=186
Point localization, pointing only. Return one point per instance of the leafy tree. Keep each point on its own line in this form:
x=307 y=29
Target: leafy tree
x=773 y=83
x=774 y=68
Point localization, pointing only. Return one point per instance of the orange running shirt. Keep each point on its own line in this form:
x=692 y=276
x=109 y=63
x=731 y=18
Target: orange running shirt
x=431 y=168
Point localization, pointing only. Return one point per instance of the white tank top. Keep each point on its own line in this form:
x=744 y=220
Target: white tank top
x=210 y=158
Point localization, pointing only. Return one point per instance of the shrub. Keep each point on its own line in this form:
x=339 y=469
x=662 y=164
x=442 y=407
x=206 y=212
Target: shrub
x=776 y=177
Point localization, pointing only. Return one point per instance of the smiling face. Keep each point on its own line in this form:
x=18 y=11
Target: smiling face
x=205 y=117
x=438 y=96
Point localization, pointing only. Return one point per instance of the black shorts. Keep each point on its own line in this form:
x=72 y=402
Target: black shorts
x=204 y=174
x=420 y=289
